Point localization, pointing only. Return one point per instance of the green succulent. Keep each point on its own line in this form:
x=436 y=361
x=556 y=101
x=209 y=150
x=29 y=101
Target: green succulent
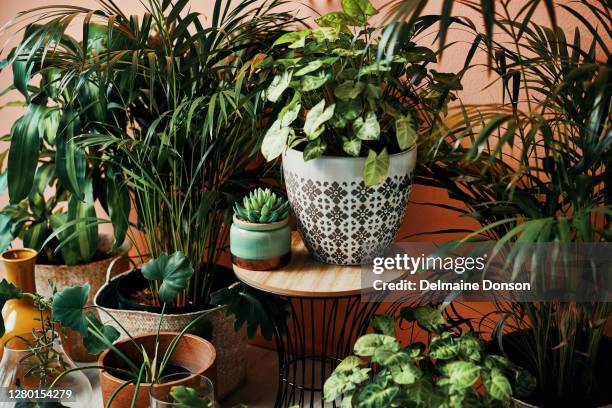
x=262 y=206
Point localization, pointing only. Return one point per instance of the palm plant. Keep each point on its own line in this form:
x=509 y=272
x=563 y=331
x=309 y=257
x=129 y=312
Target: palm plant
x=186 y=147
x=536 y=168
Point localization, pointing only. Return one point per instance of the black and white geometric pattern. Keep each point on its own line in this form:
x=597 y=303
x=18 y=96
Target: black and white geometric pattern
x=343 y=222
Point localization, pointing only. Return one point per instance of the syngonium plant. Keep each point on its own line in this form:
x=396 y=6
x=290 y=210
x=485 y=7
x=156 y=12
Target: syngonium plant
x=447 y=373
x=52 y=183
x=70 y=310
x=262 y=206
x=332 y=96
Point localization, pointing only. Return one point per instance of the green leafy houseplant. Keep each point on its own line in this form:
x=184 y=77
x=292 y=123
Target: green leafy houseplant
x=184 y=147
x=446 y=374
x=69 y=309
x=331 y=96
x=262 y=206
x=536 y=169
x=43 y=156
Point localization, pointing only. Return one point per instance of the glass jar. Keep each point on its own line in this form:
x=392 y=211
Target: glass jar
x=33 y=372
x=199 y=388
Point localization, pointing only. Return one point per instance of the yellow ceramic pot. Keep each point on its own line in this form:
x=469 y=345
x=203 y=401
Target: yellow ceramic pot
x=20 y=315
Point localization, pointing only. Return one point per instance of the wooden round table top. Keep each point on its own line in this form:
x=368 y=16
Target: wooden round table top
x=305 y=277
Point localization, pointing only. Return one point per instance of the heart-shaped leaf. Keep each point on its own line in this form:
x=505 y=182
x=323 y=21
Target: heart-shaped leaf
x=376 y=167
x=317 y=116
x=173 y=270
x=405 y=132
x=368 y=129
x=67 y=308
x=275 y=140
x=278 y=85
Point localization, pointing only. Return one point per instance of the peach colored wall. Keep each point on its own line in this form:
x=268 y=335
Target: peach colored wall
x=419 y=218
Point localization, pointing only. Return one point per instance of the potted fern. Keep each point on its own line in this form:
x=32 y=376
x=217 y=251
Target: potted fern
x=260 y=236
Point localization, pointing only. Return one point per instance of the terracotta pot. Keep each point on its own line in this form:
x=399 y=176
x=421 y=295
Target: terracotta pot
x=229 y=343
x=93 y=273
x=192 y=353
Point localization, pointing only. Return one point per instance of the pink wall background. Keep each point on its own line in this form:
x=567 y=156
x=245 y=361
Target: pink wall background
x=419 y=218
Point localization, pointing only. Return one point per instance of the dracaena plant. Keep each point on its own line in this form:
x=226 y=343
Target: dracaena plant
x=52 y=183
x=455 y=370
x=332 y=96
x=187 y=148
x=70 y=310
x=537 y=169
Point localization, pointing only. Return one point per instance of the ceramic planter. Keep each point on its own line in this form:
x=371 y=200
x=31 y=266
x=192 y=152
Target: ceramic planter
x=340 y=219
x=229 y=344
x=260 y=247
x=194 y=354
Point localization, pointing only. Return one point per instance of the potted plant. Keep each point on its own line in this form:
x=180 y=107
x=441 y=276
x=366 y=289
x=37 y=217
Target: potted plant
x=130 y=367
x=260 y=236
x=52 y=183
x=186 y=148
x=347 y=126
x=537 y=170
x=453 y=371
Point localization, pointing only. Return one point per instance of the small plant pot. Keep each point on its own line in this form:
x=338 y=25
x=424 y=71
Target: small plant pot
x=260 y=247
x=193 y=354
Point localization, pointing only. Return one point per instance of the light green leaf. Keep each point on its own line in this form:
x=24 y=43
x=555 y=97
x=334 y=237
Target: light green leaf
x=336 y=385
x=374 y=68
x=360 y=9
x=405 y=374
x=405 y=132
x=186 y=397
x=338 y=21
x=443 y=348
x=314 y=149
x=174 y=271
x=376 y=167
x=367 y=344
x=312 y=82
x=497 y=385
x=349 y=363
x=274 y=141
x=279 y=85
x=351 y=146
x=375 y=395
x=295 y=39
x=310 y=67
x=461 y=374
x=290 y=112
x=317 y=116
x=349 y=90
x=368 y=129
x=326 y=34
x=67 y=308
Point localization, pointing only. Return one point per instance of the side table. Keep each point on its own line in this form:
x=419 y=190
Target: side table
x=327 y=316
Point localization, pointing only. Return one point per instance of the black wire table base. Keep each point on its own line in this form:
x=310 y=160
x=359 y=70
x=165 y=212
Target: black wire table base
x=321 y=333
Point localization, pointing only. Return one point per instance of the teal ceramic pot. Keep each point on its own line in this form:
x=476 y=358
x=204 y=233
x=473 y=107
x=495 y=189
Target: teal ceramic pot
x=260 y=247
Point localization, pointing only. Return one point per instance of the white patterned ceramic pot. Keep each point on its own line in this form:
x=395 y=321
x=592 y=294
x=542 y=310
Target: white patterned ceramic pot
x=340 y=219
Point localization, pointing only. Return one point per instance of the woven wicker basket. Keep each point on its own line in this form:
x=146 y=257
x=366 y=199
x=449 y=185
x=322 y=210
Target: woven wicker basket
x=231 y=365
x=93 y=273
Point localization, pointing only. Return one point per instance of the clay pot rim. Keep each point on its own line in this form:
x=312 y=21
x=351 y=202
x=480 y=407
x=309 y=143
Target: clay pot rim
x=28 y=252
x=172 y=383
